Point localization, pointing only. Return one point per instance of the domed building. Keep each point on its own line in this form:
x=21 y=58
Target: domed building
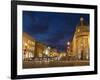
x=80 y=42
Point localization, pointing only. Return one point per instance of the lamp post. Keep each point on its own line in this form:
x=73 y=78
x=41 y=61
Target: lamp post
x=68 y=46
x=47 y=51
x=68 y=43
x=25 y=50
x=68 y=50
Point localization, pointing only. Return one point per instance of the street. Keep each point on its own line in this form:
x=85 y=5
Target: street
x=44 y=64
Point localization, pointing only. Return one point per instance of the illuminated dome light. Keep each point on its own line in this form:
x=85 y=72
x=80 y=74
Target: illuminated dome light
x=82 y=22
x=81 y=19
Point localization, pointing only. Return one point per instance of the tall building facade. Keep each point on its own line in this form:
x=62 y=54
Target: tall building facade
x=28 y=46
x=40 y=48
x=80 y=42
x=32 y=48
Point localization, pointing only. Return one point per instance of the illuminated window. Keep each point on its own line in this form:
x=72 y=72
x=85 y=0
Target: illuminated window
x=28 y=41
x=33 y=43
x=78 y=30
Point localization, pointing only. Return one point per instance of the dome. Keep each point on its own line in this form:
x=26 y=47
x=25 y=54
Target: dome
x=82 y=22
x=82 y=26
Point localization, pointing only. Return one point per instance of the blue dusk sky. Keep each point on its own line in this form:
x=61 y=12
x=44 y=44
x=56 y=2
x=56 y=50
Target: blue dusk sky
x=51 y=28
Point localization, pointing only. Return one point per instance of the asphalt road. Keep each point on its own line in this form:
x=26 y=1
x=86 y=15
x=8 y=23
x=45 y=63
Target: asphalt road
x=44 y=64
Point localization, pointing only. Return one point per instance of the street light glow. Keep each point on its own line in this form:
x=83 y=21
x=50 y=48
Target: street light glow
x=25 y=44
x=68 y=43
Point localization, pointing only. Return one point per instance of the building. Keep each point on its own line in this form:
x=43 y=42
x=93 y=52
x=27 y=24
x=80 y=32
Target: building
x=32 y=48
x=28 y=46
x=40 y=49
x=80 y=42
x=54 y=52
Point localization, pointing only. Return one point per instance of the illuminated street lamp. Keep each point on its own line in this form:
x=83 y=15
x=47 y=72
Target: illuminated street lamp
x=68 y=47
x=25 y=44
x=47 y=50
x=68 y=43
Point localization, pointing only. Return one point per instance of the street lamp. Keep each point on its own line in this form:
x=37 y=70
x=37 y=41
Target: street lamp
x=68 y=43
x=47 y=50
x=25 y=44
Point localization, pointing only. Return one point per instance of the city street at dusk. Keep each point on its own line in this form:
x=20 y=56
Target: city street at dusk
x=55 y=39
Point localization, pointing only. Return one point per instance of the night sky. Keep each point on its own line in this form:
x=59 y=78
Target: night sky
x=50 y=28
